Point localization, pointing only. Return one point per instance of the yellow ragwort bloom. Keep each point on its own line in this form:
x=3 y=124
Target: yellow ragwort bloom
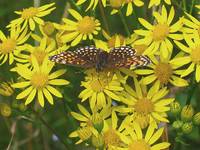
x=163 y=71
x=87 y=119
x=32 y=15
x=11 y=45
x=193 y=55
x=100 y=88
x=39 y=52
x=147 y=103
x=157 y=2
x=93 y=3
x=191 y=25
x=157 y=36
x=85 y=27
x=135 y=140
x=112 y=133
x=39 y=81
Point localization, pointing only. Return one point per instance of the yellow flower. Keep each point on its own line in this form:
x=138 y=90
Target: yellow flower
x=89 y=121
x=151 y=103
x=135 y=140
x=39 y=52
x=39 y=81
x=193 y=57
x=10 y=46
x=198 y=6
x=157 y=2
x=32 y=15
x=112 y=133
x=100 y=88
x=83 y=28
x=6 y=89
x=157 y=36
x=93 y=3
x=163 y=71
x=191 y=25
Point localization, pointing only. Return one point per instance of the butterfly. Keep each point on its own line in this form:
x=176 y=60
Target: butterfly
x=92 y=57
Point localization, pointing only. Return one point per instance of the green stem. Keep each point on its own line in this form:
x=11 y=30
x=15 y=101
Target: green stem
x=192 y=89
x=184 y=5
x=192 y=5
x=104 y=17
x=50 y=128
x=74 y=5
x=124 y=23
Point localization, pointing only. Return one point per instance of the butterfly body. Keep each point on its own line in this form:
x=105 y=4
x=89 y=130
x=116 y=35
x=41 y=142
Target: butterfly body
x=92 y=57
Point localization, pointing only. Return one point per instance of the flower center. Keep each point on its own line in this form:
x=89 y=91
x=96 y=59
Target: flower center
x=163 y=71
x=39 y=55
x=48 y=28
x=86 y=25
x=39 y=80
x=144 y=106
x=111 y=138
x=199 y=30
x=195 y=55
x=29 y=12
x=112 y=40
x=100 y=80
x=8 y=46
x=140 y=48
x=160 y=32
x=139 y=145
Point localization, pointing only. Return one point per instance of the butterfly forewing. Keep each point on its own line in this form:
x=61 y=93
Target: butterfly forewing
x=83 y=57
x=125 y=56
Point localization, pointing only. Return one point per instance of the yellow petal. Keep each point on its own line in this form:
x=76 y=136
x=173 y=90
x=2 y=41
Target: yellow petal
x=54 y=91
x=48 y=96
x=31 y=97
x=58 y=82
x=40 y=98
x=156 y=136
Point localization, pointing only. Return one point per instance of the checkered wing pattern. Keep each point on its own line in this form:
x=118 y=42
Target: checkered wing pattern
x=125 y=57
x=82 y=57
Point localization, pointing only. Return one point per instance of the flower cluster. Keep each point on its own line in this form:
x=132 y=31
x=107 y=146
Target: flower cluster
x=123 y=108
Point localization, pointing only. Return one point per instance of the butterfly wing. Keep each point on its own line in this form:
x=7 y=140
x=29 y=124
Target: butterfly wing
x=82 y=57
x=125 y=57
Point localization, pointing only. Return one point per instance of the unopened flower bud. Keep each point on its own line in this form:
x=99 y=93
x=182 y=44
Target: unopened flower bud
x=187 y=127
x=22 y=107
x=116 y=3
x=6 y=89
x=5 y=110
x=187 y=113
x=175 y=108
x=177 y=124
x=97 y=141
x=196 y=119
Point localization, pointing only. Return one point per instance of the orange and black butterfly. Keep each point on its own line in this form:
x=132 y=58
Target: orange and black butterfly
x=92 y=57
